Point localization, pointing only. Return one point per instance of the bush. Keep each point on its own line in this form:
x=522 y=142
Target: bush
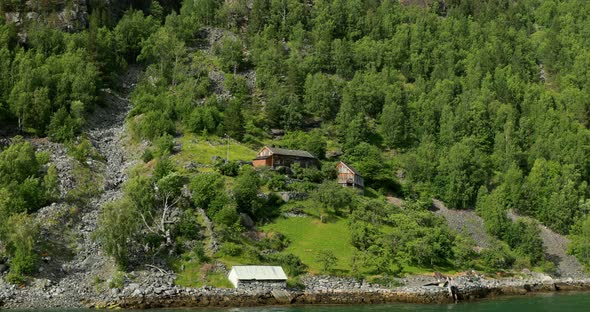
x=230 y=169
x=189 y=226
x=579 y=245
x=152 y=125
x=147 y=155
x=51 y=184
x=208 y=190
x=117 y=226
x=87 y=185
x=275 y=241
x=227 y=215
x=498 y=257
x=203 y=118
x=63 y=127
x=328 y=260
x=164 y=144
x=117 y=280
x=81 y=151
x=292 y=265
x=163 y=167
x=20 y=233
x=231 y=249
x=277 y=182
x=463 y=251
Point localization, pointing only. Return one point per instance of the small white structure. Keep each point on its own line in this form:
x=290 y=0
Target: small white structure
x=258 y=277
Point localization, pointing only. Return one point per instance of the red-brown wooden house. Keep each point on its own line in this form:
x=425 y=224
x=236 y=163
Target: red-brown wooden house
x=279 y=157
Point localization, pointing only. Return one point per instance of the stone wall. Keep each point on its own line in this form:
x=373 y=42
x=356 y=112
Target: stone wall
x=325 y=283
x=261 y=285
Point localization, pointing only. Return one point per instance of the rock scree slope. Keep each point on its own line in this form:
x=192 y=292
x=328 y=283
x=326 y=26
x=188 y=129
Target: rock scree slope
x=66 y=281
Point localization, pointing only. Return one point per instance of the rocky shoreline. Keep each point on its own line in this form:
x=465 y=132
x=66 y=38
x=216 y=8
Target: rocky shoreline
x=355 y=292
x=157 y=290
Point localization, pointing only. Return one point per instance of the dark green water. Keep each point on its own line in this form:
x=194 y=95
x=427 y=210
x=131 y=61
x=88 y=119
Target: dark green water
x=571 y=302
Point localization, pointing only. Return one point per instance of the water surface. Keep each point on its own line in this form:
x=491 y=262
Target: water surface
x=570 y=302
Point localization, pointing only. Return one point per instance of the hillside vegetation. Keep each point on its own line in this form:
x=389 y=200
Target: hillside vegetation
x=482 y=104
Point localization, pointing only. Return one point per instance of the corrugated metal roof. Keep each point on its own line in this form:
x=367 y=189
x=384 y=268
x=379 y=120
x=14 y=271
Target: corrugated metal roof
x=259 y=272
x=288 y=152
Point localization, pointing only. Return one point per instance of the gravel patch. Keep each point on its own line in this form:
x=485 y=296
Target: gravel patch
x=556 y=251
x=70 y=277
x=465 y=222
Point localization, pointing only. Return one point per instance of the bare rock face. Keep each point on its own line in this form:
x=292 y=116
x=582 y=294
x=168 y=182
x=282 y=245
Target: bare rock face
x=75 y=17
x=70 y=16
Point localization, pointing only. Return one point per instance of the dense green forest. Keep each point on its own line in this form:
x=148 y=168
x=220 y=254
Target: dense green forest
x=482 y=104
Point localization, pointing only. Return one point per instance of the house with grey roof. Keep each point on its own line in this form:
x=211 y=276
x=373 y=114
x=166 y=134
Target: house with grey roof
x=258 y=277
x=274 y=157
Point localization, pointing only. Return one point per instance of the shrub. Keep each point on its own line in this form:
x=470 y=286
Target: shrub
x=20 y=233
x=164 y=144
x=63 y=127
x=208 y=192
x=163 y=167
x=117 y=226
x=227 y=215
x=51 y=184
x=147 y=155
x=117 y=280
x=497 y=257
x=231 y=249
x=275 y=241
x=230 y=169
x=277 y=182
x=81 y=151
x=328 y=260
x=152 y=125
x=579 y=245
x=290 y=263
x=188 y=227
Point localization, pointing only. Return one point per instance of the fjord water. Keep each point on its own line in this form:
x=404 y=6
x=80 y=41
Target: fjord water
x=570 y=302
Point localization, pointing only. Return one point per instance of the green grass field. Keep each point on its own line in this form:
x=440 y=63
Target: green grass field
x=198 y=149
x=308 y=236
x=194 y=276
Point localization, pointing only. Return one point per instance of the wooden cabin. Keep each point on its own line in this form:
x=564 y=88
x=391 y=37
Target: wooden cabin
x=348 y=176
x=257 y=277
x=279 y=157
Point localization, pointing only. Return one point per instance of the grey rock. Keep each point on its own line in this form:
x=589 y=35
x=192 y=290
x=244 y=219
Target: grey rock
x=137 y=293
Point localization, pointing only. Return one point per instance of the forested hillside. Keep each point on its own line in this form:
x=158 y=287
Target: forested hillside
x=481 y=104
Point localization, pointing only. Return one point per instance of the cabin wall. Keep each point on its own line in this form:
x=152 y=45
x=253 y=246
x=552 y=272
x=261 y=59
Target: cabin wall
x=347 y=177
x=262 y=162
x=261 y=285
x=264 y=152
x=233 y=278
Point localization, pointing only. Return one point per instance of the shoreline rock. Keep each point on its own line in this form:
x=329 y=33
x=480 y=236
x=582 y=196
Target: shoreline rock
x=467 y=290
x=152 y=289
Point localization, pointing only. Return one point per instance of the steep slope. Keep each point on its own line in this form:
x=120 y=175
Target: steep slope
x=74 y=272
x=556 y=250
x=464 y=221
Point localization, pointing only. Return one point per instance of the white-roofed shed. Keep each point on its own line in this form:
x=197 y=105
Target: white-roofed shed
x=257 y=276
